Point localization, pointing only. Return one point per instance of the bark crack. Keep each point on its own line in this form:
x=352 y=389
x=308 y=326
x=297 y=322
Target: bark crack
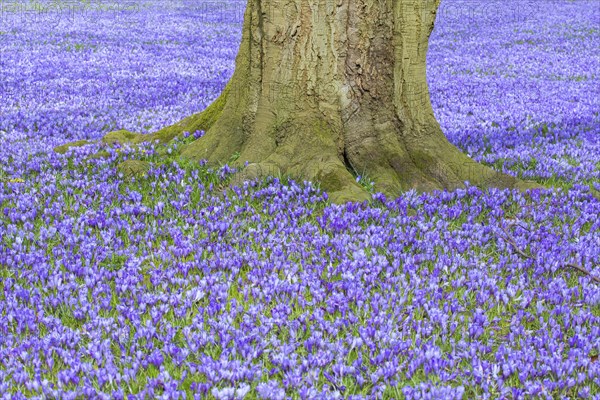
x=261 y=38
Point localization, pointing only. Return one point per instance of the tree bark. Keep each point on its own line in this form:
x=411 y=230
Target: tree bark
x=327 y=90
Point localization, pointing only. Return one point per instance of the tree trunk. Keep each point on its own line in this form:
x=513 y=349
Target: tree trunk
x=327 y=90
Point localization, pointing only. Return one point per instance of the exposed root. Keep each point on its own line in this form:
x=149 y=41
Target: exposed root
x=65 y=147
x=328 y=172
x=134 y=168
x=451 y=168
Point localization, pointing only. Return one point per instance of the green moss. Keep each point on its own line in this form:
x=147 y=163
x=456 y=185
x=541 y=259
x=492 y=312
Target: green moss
x=349 y=194
x=133 y=168
x=422 y=160
x=65 y=147
x=98 y=155
x=332 y=180
x=200 y=121
x=206 y=119
x=122 y=137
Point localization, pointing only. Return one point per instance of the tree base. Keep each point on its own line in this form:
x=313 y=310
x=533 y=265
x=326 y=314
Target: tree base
x=314 y=157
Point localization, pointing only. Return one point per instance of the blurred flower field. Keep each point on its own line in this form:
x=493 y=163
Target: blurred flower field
x=168 y=287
